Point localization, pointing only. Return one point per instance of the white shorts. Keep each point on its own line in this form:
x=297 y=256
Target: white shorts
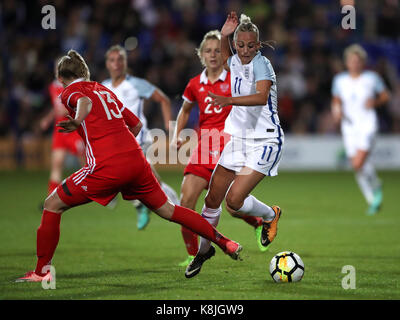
x=262 y=155
x=355 y=141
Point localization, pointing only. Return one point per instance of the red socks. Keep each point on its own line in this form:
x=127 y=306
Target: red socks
x=253 y=221
x=48 y=235
x=191 y=240
x=196 y=223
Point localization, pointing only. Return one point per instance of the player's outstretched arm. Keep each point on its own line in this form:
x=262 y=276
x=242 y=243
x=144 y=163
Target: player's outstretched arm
x=181 y=121
x=228 y=28
x=160 y=97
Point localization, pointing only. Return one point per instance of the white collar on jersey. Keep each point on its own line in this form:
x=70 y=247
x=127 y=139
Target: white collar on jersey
x=204 y=79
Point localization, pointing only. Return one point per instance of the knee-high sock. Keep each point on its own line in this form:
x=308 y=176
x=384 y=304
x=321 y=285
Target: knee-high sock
x=253 y=221
x=48 y=235
x=170 y=193
x=370 y=171
x=212 y=216
x=193 y=221
x=256 y=208
x=368 y=181
x=191 y=240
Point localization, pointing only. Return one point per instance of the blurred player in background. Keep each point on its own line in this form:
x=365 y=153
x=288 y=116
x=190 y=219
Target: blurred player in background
x=62 y=143
x=197 y=173
x=356 y=95
x=255 y=148
x=132 y=92
x=114 y=163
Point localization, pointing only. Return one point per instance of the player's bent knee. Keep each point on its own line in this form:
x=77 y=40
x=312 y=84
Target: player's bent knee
x=53 y=207
x=53 y=203
x=232 y=212
x=233 y=202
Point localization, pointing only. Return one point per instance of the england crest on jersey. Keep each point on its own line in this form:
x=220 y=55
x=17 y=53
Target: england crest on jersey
x=246 y=72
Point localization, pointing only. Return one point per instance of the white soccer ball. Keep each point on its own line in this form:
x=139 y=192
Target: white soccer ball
x=286 y=266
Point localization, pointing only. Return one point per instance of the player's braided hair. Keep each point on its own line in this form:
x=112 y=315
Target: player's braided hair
x=246 y=25
x=73 y=66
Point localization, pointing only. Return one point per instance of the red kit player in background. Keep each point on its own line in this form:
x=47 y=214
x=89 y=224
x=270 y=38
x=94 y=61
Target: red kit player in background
x=62 y=143
x=211 y=135
x=114 y=163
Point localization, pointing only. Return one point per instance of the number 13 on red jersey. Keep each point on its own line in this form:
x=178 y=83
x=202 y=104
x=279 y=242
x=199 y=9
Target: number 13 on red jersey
x=108 y=106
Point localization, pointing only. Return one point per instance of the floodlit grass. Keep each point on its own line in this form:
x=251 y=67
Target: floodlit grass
x=102 y=255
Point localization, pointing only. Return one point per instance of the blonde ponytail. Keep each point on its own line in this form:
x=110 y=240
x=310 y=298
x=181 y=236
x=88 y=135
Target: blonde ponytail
x=244 y=19
x=246 y=25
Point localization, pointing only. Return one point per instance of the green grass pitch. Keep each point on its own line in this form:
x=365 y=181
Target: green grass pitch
x=101 y=254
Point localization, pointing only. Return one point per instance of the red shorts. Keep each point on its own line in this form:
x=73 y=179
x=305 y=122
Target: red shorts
x=200 y=171
x=71 y=142
x=129 y=174
x=205 y=157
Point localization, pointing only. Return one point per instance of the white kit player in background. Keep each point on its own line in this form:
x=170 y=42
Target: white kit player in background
x=255 y=148
x=356 y=95
x=132 y=91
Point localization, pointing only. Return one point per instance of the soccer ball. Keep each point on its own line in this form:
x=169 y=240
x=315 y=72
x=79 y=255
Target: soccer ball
x=286 y=266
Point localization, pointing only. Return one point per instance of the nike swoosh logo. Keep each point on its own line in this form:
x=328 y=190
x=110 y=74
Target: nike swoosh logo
x=190 y=272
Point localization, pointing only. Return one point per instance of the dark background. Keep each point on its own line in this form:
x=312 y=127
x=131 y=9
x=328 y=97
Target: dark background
x=308 y=52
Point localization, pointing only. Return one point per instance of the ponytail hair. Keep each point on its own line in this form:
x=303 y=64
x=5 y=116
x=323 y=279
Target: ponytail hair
x=73 y=66
x=246 y=25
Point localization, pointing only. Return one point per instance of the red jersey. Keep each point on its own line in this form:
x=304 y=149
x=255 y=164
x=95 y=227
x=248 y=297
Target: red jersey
x=197 y=90
x=104 y=130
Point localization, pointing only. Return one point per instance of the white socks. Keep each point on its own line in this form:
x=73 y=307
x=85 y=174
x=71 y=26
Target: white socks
x=212 y=216
x=256 y=208
x=251 y=207
x=170 y=193
x=368 y=181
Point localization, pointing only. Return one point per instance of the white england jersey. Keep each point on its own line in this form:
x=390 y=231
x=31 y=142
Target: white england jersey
x=354 y=94
x=253 y=122
x=132 y=92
